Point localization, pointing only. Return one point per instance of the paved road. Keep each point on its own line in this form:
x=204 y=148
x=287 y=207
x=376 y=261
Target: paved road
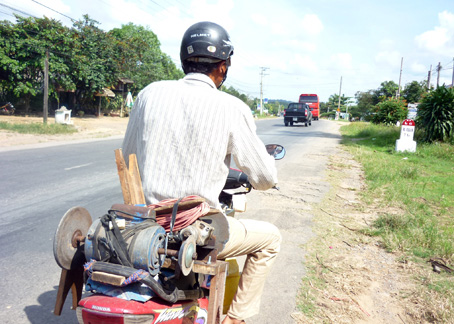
x=40 y=185
x=302 y=184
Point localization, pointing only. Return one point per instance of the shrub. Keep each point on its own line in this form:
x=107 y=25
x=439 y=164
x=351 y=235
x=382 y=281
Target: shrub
x=390 y=111
x=436 y=115
x=330 y=114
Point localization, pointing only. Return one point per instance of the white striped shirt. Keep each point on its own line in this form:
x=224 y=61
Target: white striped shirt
x=184 y=132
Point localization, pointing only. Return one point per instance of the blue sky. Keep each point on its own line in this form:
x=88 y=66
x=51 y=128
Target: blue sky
x=306 y=46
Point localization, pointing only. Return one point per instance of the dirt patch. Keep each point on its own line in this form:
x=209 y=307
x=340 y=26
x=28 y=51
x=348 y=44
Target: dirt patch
x=351 y=278
x=87 y=128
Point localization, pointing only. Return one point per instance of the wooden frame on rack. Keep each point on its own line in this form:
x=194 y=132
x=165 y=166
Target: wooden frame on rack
x=131 y=187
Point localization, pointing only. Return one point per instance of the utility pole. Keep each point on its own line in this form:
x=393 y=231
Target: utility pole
x=438 y=73
x=339 y=102
x=46 y=87
x=262 y=74
x=400 y=76
x=452 y=81
x=428 y=78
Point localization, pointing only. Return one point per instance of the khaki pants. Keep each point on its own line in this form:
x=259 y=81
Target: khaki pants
x=260 y=241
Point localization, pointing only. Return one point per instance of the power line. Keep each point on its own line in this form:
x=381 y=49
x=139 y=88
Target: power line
x=243 y=84
x=73 y=20
x=435 y=69
x=181 y=3
x=240 y=89
x=293 y=85
x=18 y=10
x=160 y=6
x=6 y=13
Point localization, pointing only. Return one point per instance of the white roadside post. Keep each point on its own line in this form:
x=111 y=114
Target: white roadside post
x=406 y=142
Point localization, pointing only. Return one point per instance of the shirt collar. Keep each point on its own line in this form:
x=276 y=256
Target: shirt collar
x=201 y=78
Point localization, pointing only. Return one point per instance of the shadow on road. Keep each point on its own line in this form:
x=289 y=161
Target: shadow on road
x=44 y=312
x=309 y=132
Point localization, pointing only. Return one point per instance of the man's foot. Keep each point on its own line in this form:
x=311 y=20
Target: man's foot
x=229 y=320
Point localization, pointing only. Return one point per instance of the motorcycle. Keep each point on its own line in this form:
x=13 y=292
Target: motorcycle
x=7 y=109
x=141 y=269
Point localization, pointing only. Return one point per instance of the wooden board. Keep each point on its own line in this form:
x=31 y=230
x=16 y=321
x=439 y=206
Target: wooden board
x=130 y=181
x=108 y=278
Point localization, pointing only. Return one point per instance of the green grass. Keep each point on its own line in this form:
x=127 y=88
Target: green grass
x=265 y=116
x=38 y=128
x=420 y=185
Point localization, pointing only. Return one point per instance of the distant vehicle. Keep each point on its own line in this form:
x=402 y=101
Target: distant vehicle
x=313 y=102
x=297 y=113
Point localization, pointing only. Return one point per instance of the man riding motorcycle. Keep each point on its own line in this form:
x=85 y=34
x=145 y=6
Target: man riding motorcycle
x=185 y=133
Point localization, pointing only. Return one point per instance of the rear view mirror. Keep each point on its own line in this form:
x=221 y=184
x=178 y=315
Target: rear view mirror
x=276 y=150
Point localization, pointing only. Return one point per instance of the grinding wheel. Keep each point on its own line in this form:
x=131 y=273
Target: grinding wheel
x=72 y=228
x=185 y=255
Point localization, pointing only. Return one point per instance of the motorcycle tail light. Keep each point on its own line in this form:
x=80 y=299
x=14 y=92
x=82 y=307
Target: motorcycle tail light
x=89 y=316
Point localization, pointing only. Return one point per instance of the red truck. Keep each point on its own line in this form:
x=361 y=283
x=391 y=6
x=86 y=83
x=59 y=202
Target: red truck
x=314 y=104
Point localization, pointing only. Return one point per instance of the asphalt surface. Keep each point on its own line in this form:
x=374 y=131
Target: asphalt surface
x=302 y=185
x=41 y=182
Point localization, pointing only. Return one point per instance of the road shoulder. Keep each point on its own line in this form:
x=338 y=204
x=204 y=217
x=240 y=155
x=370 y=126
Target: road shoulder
x=88 y=129
x=351 y=278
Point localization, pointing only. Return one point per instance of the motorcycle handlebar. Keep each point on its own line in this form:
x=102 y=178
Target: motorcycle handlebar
x=236 y=179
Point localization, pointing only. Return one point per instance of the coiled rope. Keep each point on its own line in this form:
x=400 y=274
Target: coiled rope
x=184 y=218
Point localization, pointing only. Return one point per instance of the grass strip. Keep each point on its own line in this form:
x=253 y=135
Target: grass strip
x=38 y=128
x=420 y=184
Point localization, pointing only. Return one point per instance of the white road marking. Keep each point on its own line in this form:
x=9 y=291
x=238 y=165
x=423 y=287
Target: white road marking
x=78 y=166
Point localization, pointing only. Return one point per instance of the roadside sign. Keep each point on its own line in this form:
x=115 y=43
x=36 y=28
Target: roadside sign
x=407 y=131
x=406 y=142
x=265 y=101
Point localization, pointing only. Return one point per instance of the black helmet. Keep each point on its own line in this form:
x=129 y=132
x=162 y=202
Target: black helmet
x=206 y=40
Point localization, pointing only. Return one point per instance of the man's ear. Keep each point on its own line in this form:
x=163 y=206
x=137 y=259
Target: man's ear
x=222 y=67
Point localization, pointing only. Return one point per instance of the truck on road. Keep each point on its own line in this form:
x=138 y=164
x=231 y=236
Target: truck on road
x=297 y=113
x=313 y=102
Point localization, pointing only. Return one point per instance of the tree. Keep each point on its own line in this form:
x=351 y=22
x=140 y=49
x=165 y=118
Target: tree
x=324 y=107
x=83 y=58
x=232 y=91
x=388 y=89
x=93 y=64
x=413 y=91
x=273 y=107
x=365 y=104
x=333 y=102
x=390 y=111
x=23 y=47
x=138 y=56
x=436 y=115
